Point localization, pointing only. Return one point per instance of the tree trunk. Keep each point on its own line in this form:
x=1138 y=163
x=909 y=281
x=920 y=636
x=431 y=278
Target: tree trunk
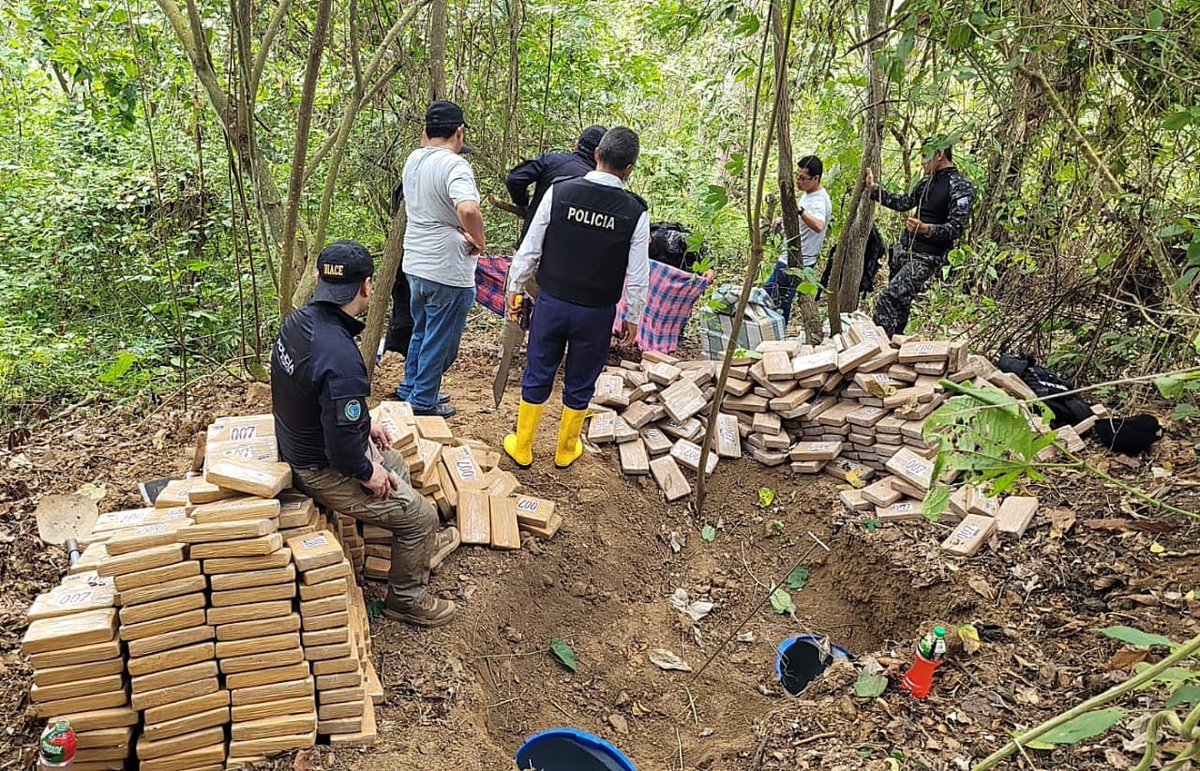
x=337 y=145
x=299 y=154
x=846 y=273
x=196 y=47
x=438 y=11
x=809 y=316
x=512 y=96
x=754 y=202
x=381 y=289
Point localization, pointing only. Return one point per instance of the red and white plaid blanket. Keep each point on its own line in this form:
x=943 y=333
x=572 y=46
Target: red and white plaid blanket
x=669 y=302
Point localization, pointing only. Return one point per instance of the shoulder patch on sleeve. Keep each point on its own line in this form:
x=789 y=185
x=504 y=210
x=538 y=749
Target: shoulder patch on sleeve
x=962 y=204
x=349 y=397
x=350 y=410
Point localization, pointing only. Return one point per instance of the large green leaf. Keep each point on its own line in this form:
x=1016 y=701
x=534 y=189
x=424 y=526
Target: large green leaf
x=869 y=686
x=986 y=394
x=563 y=653
x=1128 y=634
x=937 y=500
x=1076 y=730
x=1184 y=694
x=781 y=601
x=117 y=370
x=797 y=578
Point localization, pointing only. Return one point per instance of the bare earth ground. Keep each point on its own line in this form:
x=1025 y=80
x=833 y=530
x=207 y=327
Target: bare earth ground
x=465 y=696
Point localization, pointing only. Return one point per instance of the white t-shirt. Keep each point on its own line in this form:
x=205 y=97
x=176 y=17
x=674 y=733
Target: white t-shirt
x=436 y=181
x=818 y=205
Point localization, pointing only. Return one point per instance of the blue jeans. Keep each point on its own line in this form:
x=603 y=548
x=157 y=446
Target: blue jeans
x=781 y=287
x=439 y=314
x=581 y=333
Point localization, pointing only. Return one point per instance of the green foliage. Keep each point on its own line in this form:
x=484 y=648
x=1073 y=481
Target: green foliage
x=798 y=578
x=708 y=533
x=766 y=496
x=988 y=435
x=564 y=653
x=936 y=501
x=1132 y=636
x=781 y=601
x=1184 y=694
x=1084 y=726
x=1184 y=389
x=809 y=283
x=869 y=686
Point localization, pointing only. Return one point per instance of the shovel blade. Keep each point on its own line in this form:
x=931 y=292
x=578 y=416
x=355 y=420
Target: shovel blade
x=60 y=517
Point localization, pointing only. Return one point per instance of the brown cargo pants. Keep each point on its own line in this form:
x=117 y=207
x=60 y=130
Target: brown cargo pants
x=411 y=519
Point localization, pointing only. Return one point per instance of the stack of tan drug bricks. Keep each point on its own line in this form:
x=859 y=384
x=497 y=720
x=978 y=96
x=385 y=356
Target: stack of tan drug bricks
x=853 y=407
x=177 y=637
x=336 y=642
x=460 y=477
x=225 y=624
x=79 y=669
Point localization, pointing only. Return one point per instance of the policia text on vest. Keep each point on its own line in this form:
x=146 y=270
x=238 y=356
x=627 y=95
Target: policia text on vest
x=594 y=218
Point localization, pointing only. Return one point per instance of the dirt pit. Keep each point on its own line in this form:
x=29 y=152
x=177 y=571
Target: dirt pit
x=603 y=586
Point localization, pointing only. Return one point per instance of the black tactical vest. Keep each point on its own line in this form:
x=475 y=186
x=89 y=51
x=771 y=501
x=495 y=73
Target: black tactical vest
x=586 y=251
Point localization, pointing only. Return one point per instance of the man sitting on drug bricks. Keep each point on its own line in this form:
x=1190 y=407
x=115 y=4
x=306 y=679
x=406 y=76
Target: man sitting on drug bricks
x=319 y=389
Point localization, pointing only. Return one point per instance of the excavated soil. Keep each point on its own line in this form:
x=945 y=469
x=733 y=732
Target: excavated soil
x=466 y=696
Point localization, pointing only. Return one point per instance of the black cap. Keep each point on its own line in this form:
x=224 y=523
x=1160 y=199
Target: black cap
x=589 y=140
x=445 y=114
x=341 y=268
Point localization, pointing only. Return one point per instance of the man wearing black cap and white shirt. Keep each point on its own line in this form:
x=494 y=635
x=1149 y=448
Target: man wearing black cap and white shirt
x=442 y=242
x=400 y=325
x=545 y=169
x=319 y=391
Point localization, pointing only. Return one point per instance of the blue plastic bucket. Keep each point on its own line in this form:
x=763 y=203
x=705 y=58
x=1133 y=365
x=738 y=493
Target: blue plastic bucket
x=798 y=660
x=565 y=749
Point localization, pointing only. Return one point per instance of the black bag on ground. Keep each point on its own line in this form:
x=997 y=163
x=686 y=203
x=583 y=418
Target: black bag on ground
x=1131 y=436
x=1068 y=410
x=669 y=245
x=872 y=260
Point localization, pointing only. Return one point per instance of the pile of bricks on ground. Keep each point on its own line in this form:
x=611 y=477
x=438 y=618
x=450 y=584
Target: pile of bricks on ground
x=225 y=624
x=459 y=476
x=853 y=407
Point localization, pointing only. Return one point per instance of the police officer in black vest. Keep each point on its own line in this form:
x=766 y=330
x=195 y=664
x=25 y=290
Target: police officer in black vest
x=587 y=239
x=548 y=168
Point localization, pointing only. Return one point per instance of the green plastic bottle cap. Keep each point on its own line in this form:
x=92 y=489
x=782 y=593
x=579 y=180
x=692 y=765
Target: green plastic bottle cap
x=940 y=631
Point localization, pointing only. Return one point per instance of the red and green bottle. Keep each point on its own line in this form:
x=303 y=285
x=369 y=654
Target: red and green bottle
x=918 y=680
x=57 y=746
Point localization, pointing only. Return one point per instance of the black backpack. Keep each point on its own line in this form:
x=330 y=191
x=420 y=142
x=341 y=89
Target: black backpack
x=872 y=259
x=1068 y=410
x=669 y=245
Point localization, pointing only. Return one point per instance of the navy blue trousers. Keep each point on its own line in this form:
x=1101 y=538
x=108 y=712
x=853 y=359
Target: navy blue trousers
x=581 y=333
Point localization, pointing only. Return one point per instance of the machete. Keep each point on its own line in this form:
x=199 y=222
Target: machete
x=513 y=332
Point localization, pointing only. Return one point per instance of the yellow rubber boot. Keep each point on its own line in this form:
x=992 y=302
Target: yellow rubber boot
x=519 y=446
x=569 y=445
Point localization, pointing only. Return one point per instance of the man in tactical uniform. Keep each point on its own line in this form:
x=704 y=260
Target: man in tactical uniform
x=587 y=239
x=319 y=391
x=943 y=201
x=545 y=169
